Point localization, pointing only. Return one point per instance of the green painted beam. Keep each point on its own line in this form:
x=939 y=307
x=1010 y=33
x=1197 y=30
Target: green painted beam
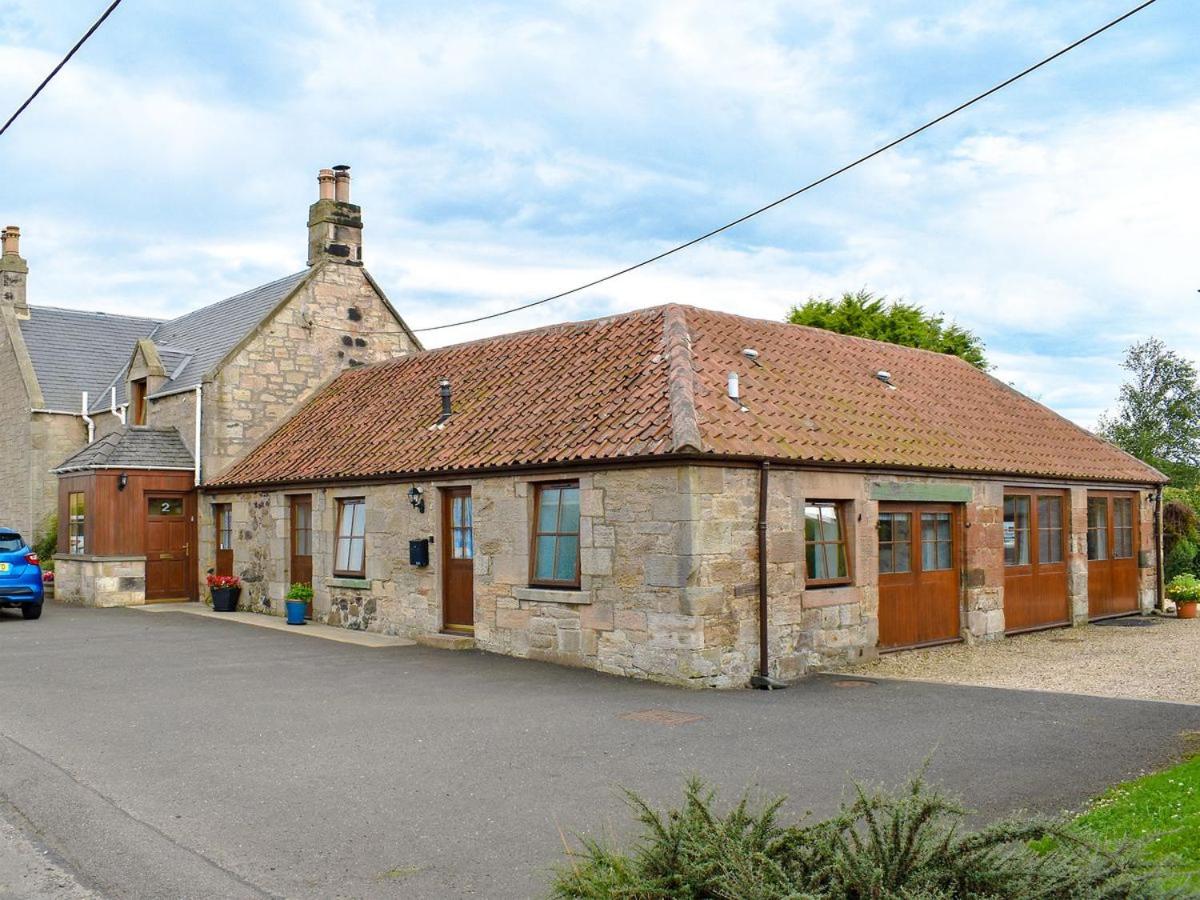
x=921 y=492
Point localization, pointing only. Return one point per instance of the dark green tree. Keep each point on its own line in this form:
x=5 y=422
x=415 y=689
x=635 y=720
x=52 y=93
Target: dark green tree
x=1158 y=414
x=865 y=315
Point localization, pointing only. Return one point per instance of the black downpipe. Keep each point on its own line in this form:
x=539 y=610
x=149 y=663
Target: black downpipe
x=763 y=679
x=1158 y=549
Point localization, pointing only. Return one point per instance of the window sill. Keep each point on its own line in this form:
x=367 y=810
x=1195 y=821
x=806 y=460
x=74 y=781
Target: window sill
x=356 y=584
x=553 y=595
x=829 y=595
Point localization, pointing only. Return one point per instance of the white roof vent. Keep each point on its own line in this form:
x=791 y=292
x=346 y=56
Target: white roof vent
x=886 y=377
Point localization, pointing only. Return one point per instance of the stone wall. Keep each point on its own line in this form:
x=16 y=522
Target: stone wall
x=100 y=580
x=308 y=341
x=16 y=486
x=52 y=439
x=669 y=570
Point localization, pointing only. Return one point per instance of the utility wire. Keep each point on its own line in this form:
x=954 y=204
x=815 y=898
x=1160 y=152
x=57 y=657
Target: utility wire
x=807 y=187
x=65 y=60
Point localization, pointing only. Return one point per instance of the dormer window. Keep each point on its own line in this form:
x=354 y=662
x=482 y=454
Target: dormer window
x=137 y=402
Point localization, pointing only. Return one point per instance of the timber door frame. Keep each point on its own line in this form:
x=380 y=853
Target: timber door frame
x=456 y=570
x=189 y=517
x=1111 y=560
x=912 y=579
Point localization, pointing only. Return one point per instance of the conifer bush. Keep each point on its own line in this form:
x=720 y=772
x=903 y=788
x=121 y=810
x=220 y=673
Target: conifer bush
x=881 y=845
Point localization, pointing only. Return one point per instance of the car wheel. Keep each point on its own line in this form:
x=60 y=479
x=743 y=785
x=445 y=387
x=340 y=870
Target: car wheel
x=32 y=610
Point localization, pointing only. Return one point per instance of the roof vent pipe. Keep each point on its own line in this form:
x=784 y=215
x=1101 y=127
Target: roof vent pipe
x=735 y=390
x=444 y=385
x=119 y=412
x=91 y=425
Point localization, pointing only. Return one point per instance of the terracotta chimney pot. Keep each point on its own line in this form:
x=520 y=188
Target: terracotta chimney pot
x=12 y=240
x=341 y=176
x=325 y=184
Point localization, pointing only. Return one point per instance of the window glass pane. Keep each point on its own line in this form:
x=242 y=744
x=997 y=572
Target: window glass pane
x=885 y=528
x=165 y=506
x=1016 y=530
x=1097 y=528
x=360 y=519
x=456 y=514
x=568 y=517
x=901 y=528
x=345 y=520
x=928 y=528
x=303 y=543
x=885 y=558
x=457 y=537
x=901 y=556
x=342 y=560
x=944 y=554
x=544 y=563
x=840 y=559
x=468 y=542
x=548 y=513
x=1122 y=512
x=467 y=511
x=814 y=560
x=568 y=551
x=929 y=554
x=356 y=555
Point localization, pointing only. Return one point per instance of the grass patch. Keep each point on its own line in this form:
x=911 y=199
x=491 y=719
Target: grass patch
x=1160 y=811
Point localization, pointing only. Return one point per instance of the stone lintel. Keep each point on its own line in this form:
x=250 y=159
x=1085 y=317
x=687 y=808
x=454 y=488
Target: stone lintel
x=552 y=595
x=921 y=491
x=355 y=584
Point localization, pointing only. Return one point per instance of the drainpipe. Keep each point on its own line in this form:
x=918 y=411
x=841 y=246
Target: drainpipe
x=88 y=419
x=199 y=408
x=1158 y=549
x=112 y=405
x=763 y=679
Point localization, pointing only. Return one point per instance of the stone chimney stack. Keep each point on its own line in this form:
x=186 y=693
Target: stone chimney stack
x=13 y=271
x=334 y=223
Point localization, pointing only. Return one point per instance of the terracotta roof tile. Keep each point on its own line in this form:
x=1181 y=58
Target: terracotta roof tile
x=653 y=383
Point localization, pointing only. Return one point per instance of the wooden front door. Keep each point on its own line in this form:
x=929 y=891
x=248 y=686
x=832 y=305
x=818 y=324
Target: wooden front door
x=300 y=566
x=1112 y=554
x=223 y=525
x=458 y=561
x=169 y=563
x=920 y=575
x=1035 y=560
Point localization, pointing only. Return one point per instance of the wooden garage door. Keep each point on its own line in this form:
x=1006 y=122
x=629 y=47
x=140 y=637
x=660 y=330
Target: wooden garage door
x=1035 y=553
x=1112 y=554
x=919 y=575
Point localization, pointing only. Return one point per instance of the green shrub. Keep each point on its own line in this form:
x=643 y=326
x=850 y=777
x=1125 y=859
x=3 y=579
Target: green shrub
x=1180 y=559
x=300 y=592
x=46 y=544
x=887 y=846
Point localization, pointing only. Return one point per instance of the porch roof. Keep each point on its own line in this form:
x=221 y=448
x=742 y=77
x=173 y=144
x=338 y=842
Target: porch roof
x=132 y=447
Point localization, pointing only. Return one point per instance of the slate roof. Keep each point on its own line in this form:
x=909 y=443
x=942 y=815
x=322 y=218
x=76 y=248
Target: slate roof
x=74 y=350
x=193 y=344
x=653 y=383
x=132 y=447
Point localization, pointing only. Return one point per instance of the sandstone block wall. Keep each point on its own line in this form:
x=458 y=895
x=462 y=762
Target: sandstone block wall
x=100 y=581
x=669 y=569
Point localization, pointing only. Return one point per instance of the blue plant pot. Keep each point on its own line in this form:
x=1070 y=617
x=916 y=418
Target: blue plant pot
x=295 y=611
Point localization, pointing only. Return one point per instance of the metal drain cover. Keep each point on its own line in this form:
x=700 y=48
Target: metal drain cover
x=668 y=717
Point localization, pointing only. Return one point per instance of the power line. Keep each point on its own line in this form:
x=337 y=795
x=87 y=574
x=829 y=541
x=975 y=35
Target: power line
x=836 y=172
x=63 y=62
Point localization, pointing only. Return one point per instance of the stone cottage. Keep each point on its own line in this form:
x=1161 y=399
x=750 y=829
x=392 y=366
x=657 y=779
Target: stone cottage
x=688 y=496
x=162 y=405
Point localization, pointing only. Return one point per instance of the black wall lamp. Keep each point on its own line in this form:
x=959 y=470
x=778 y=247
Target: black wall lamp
x=417 y=498
x=122 y=481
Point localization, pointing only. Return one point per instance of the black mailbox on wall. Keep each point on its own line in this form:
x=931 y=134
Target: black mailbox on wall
x=418 y=552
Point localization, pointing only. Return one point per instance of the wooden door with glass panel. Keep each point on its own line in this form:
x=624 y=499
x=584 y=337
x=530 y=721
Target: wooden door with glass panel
x=168 y=548
x=1112 y=554
x=920 y=575
x=300 y=543
x=1035 y=554
x=223 y=528
x=458 y=561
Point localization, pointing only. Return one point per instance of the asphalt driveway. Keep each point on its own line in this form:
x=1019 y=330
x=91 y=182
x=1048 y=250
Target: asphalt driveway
x=168 y=755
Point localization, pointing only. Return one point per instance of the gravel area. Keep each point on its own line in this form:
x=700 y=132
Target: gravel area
x=1160 y=661
x=28 y=871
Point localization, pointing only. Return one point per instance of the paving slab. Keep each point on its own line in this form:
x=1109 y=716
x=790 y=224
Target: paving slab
x=278 y=623
x=172 y=755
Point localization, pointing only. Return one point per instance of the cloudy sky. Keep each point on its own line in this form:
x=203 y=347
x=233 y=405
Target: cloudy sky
x=504 y=151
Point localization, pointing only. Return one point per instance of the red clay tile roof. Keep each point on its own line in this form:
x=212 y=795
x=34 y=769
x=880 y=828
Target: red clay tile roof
x=653 y=383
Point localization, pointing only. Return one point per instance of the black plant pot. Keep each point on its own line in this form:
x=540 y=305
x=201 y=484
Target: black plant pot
x=225 y=599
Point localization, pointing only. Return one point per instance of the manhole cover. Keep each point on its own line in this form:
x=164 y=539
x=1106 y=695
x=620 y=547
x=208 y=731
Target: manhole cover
x=669 y=717
x=854 y=683
x=1131 y=622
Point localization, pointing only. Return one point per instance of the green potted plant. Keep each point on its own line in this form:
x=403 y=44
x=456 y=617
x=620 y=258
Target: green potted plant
x=225 y=590
x=1185 y=591
x=299 y=596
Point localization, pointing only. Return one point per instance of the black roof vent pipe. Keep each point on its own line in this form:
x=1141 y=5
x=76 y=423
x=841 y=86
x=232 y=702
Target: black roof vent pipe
x=444 y=385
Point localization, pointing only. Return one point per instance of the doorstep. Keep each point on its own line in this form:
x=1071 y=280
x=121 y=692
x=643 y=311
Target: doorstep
x=445 y=641
x=262 y=620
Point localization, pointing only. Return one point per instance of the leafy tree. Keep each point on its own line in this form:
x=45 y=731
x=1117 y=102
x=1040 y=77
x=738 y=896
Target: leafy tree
x=1158 y=415
x=864 y=315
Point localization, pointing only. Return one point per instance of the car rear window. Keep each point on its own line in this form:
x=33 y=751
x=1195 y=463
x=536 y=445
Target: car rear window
x=10 y=542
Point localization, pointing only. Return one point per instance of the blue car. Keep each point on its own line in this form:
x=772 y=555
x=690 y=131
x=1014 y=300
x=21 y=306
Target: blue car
x=20 y=576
